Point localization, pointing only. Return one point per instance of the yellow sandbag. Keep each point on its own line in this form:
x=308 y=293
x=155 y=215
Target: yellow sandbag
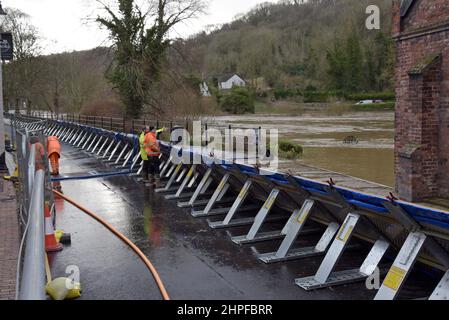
x=75 y=292
x=58 y=290
x=59 y=234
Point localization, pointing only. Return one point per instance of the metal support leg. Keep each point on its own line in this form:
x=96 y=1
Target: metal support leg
x=53 y=130
x=67 y=135
x=114 y=151
x=166 y=166
x=60 y=134
x=75 y=138
x=173 y=177
x=136 y=158
x=122 y=153
x=46 y=130
x=333 y=255
x=294 y=227
x=441 y=292
x=128 y=157
x=179 y=193
x=205 y=182
x=97 y=144
x=140 y=169
x=161 y=166
x=70 y=135
x=258 y=221
x=84 y=142
x=402 y=266
x=349 y=276
x=193 y=181
x=170 y=172
x=234 y=209
x=90 y=142
x=102 y=147
x=218 y=195
x=188 y=177
x=179 y=179
x=105 y=154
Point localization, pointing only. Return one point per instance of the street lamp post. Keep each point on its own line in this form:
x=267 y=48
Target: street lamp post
x=2 y=121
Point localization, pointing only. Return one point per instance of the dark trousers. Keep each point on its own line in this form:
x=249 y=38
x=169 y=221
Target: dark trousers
x=145 y=168
x=153 y=164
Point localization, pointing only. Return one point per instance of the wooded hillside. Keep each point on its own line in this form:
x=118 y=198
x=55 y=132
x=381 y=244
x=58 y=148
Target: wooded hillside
x=322 y=43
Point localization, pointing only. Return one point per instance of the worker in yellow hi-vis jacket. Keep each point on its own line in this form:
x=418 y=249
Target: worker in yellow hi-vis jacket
x=153 y=151
x=143 y=154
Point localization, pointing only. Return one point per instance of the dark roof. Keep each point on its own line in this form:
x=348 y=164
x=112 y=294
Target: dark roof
x=405 y=6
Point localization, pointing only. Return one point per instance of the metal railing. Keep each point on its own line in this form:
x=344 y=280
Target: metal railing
x=133 y=126
x=33 y=273
x=34 y=190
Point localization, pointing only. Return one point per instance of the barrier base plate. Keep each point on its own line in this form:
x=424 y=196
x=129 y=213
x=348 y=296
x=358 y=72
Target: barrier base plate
x=220 y=211
x=335 y=278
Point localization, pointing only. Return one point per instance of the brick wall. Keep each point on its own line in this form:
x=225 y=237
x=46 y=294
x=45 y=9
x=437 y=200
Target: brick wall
x=426 y=12
x=422 y=93
x=9 y=240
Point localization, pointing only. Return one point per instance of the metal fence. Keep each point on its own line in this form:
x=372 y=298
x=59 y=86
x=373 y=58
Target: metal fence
x=34 y=191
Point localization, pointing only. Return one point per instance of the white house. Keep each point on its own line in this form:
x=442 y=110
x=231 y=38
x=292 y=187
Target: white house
x=227 y=82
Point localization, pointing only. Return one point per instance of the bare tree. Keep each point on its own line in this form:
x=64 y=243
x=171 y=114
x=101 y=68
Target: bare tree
x=21 y=74
x=141 y=36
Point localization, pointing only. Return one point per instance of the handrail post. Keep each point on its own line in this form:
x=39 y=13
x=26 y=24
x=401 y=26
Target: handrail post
x=31 y=168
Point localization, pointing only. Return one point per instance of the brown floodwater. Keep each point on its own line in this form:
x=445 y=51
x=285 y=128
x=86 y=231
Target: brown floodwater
x=323 y=133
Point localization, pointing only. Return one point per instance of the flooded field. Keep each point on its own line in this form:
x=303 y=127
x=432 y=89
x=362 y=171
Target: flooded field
x=322 y=134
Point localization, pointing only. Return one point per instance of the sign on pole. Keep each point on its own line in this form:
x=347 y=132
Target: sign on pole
x=6 y=46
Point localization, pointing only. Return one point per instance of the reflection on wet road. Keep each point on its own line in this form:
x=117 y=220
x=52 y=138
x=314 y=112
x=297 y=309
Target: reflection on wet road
x=194 y=261
x=322 y=134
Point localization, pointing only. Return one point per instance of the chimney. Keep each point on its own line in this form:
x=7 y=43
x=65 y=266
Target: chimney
x=396 y=25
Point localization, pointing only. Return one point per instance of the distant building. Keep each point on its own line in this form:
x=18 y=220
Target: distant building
x=204 y=89
x=421 y=32
x=228 y=81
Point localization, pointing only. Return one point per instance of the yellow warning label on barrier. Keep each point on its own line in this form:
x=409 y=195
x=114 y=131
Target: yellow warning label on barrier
x=190 y=173
x=344 y=236
x=302 y=217
x=394 y=278
x=243 y=191
x=270 y=201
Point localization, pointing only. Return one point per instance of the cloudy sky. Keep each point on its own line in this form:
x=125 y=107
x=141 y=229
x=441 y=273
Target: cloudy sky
x=67 y=24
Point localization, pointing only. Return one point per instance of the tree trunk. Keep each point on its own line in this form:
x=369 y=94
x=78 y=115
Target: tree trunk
x=6 y=104
x=28 y=107
x=17 y=107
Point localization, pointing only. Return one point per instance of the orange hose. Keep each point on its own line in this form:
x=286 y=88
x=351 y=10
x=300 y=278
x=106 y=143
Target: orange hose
x=124 y=239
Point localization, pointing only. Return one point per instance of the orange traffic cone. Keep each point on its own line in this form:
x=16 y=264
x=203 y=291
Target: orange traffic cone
x=51 y=245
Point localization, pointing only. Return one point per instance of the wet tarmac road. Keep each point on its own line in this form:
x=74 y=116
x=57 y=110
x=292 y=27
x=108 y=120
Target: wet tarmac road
x=194 y=261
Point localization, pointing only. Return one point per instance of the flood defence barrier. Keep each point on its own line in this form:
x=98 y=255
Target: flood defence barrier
x=231 y=194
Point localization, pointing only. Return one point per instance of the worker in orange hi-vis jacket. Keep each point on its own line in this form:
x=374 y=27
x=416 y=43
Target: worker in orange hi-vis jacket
x=54 y=153
x=153 y=151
